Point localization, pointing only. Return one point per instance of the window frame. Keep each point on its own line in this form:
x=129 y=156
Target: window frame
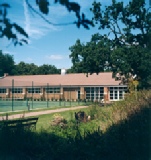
x=16 y=90
x=53 y=90
x=35 y=90
x=2 y=90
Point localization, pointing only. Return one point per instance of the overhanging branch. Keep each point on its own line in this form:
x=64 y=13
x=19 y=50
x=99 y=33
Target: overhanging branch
x=46 y=20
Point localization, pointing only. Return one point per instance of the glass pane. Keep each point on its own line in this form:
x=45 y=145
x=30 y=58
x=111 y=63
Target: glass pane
x=2 y=90
x=111 y=97
x=115 y=95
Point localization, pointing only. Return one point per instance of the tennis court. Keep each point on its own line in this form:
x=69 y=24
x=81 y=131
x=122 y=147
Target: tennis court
x=25 y=105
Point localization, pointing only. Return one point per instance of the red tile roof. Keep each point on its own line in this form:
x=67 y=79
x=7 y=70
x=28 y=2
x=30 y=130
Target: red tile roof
x=77 y=79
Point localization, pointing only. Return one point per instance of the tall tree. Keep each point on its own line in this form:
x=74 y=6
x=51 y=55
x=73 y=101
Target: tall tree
x=128 y=31
x=92 y=56
x=7 y=64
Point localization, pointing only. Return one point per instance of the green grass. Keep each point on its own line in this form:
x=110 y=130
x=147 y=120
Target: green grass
x=45 y=120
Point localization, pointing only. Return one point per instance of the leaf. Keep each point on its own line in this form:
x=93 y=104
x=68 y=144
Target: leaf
x=83 y=16
x=25 y=41
x=5 y=5
x=44 y=6
x=37 y=2
x=78 y=24
x=85 y=25
x=74 y=7
x=15 y=43
x=20 y=30
x=5 y=12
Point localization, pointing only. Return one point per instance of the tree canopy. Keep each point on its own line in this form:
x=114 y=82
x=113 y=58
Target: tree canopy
x=17 y=34
x=125 y=45
x=23 y=68
x=7 y=65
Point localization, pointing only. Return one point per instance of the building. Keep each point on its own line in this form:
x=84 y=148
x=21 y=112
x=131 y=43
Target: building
x=63 y=87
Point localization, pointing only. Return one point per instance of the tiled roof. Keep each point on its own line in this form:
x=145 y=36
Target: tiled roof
x=77 y=79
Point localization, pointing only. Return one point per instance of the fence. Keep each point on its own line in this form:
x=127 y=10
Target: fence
x=26 y=95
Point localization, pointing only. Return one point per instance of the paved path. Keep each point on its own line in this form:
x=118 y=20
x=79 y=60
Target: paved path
x=37 y=113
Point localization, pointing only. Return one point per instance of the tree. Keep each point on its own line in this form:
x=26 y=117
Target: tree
x=128 y=49
x=92 y=56
x=23 y=68
x=6 y=64
x=48 y=69
x=31 y=69
x=9 y=29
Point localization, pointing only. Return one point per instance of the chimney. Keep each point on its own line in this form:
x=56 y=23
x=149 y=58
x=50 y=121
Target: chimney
x=63 y=71
x=5 y=75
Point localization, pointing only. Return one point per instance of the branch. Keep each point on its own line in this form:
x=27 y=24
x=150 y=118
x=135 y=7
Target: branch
x=114 y=30
x=46 y=20
x=120 y=32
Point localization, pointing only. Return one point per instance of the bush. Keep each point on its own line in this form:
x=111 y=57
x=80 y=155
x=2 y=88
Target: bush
x=126 y=135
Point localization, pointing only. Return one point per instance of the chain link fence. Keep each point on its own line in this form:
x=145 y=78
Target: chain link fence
x=26 y=95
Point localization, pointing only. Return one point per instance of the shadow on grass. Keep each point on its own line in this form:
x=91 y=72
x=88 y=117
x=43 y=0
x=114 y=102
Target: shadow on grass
x=128 y=140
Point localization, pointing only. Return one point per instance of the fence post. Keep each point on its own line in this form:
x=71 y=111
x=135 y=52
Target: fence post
x=78 y=95
x=47 y=95
x=70 y=95
x=60 y=96
x=32 y=92
x=12 y=94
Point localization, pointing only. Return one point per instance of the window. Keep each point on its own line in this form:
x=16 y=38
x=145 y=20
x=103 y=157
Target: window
x=94 y=92
x=117 y=93
x=78 y=93
x=2 y=90
x=53 y=90
x=17 y=90
x=33 y=90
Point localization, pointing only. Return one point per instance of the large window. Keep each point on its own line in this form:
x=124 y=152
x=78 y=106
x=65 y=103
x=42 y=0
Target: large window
x=17 y=90
x=33 y=90
x=117 y=93
x=94 y=93
x=2 y=90
x=53 y=90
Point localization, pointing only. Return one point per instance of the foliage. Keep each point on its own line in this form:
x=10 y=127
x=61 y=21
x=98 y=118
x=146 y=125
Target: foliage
x=122 y=19
x=7 y=64
x=9 y=29
x=48 y=69
x=84 y=56
x=127 y=138
x=31 y=69
x=125 y=48
x=59 y=120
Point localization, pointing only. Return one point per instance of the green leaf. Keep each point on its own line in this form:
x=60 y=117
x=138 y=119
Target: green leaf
x=5 y=5
x=20 y=30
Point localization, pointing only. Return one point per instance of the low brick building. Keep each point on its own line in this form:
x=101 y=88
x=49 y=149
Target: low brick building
x=63 y=86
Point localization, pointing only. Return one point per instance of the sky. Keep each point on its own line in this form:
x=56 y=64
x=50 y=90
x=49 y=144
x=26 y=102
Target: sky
x=47 y=44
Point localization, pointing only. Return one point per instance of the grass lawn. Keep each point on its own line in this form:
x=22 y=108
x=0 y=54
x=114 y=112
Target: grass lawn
x=45 y=120
x=102 y=119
